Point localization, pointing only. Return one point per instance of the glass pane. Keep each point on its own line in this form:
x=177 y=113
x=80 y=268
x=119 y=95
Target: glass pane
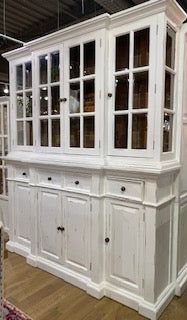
x=19 y=77
x=140 y=93
x=55 y=100
x=74 y=101
x=43 y=101
x=55 y=132
x=170 y=48
x=169 y=90
x=89 y=132
x=6 y=182
x=139 y=131
x=29 y=133
x=122 y=92
x=28 y=75
x=141 y=48
x=122 y=52
x=167 y=132
x=0 y=122
x=43 y=69
x=89 y=96
x=44 y=132
x=89 y=58
x=19 y=105
x=28 y=104
x=75 y=132
x=121 y=131
x=20 y=133
x=6 y=146
x=5 y=119
x=55 y=66
x=1 y=181
x=74 y=62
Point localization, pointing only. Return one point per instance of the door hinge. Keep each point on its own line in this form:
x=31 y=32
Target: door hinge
x=99 y=94
x=155 y=88
x=90 y=206
x=157 y=29
x=99 y=144
x=90 y=266
x=143 y=284
x=37 y=196
x=144 y=216
x=100 y=43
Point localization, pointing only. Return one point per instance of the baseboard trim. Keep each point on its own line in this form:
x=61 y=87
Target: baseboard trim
x=181 y=283
x=17 y=248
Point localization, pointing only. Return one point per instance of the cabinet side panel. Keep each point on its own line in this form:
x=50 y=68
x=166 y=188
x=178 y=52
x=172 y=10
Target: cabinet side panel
x=182 y=242
x=4 y=213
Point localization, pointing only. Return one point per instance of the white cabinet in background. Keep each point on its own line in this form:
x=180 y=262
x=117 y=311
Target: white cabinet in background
x=77 y=219
x=22 y=214
x=49 y=221
x=123 y=244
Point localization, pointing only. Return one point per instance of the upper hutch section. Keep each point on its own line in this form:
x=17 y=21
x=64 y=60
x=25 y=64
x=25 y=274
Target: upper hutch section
x=104 y=88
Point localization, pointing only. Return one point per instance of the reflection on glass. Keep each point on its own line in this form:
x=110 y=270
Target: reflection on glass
x=43 y=69
x=28 y=75
x=89 y=132
x=75 y=132
x=89 y=58
x=74 y=62
x=28 y=104
x=20 y=132
x=1 y=181
x=169 y=90
x=19 y=77
x=74 y=100
x=6 y=146
x=170 y=48
x=44 y=132
x=29 y=133
x=6 y=182
x=43 y=101
x=55 y=100
x=122 y=52
x=140 y=93
x=20 y=105
x=167 y=132
x=55 y=67
x=139 y=131
x=89 y=96
x=5 y=119
x=55 y=125
x=121 y=131
x=141 y=48
x=122 y=92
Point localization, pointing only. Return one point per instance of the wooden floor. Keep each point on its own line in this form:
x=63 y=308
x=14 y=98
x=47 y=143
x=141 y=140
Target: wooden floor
x=45 y=297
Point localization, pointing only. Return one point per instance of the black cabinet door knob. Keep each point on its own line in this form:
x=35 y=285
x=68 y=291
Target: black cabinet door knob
x=24 y=173
x=110 y=95
x=61 y=229
x=123 y=189
x=49 y=178
x=107 y=240
x=77 y=182
x=63 y=99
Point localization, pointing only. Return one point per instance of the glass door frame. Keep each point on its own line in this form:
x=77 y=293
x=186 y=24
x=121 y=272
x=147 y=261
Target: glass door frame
x=3 y=167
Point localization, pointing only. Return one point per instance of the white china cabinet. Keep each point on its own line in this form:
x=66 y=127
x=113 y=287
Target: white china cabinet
x=94 y=166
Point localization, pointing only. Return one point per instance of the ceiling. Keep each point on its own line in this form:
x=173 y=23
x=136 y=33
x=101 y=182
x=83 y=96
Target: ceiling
x=29 y=19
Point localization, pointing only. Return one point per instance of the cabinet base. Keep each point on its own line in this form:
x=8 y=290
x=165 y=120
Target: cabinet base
x=181 y=283
x=149 y=310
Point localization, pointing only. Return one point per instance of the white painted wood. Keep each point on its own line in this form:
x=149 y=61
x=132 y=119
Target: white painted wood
x=77 y=223
x=49 y=219
x=22 y=214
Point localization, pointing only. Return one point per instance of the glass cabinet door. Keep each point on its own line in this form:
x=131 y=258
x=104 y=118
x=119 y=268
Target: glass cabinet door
x=3 y=147
x=49 y=99
x=24 y=104
x=81 y=88
x=131 y=72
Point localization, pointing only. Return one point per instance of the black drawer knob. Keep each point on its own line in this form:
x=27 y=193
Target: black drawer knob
x=61 y=229
x=110 y=95
x=77 y=182
x=24 y=173
x=107 y=240
x=123 y=189
x=49 y=178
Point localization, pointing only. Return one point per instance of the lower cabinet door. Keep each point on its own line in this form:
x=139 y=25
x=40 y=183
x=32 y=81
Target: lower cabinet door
x=22 y=214
x=123 y=245
x=77 y=233
x=50 y=238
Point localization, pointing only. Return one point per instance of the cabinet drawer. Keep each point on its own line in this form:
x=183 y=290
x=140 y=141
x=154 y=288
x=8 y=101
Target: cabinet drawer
x=22 y=173
x=50 y=178
x=77 y=181
x=131 y=189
